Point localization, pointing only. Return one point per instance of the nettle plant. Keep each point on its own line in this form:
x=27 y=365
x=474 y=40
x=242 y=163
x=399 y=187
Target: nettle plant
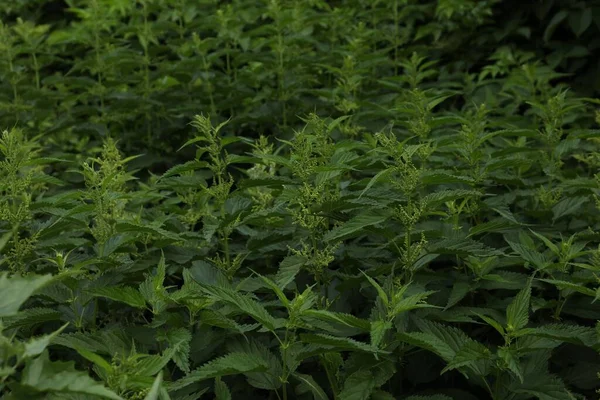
x=360 y=215
x=444 y=256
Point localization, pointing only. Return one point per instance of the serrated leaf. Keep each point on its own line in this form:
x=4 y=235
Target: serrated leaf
x=517 y=312
x=469 y=353
x=534 y=257
x=512 y=362
x=122 y=294
x=566 y=285
x=338 y=343
x=221 y=390
x=580 y=335
x=378 y=330
x=358 y=386
x=179 y=347
x=411 y=303
x=341 y=318
x=231 y=364
x=459 y=290
x=355 y=225
x=243 y=303
x=288 y=269
x=36 y=346
x=567 y=206
x=45 y=376
x=380 y=175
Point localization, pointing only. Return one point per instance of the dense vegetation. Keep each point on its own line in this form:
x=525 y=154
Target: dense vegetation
x=299 y=199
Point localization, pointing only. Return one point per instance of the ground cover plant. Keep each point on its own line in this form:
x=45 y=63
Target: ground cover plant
x=293 y=200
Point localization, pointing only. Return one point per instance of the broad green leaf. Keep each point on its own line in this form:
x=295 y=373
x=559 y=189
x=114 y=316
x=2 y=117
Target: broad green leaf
x=469 y=353
x=243 y=303
x=122 y=294
x=378 y=331
x=568 y=206
x=354 y=225
x=288 y=269
x=517 y=312
x=358 y=386
x=511 y=359
x=411 y=303
x=380 y=175
x=36 y=346
x=232 y=364
x=580 y=335
x=492 y=322
x=45 y=376
x=459 y=290
x=15 y=291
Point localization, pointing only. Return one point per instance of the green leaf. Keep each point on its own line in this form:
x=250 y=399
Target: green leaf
x=179 y=347
x=553 y=24
x=534 y=257
x=288 y=269
x=580 y=335
x=122 y=294
x=378 y=331
x=243 y=303
x=566 y=285
x=382 y=294
x=511 y=359
x=232 y=364
x=154 y=392
x=221 y=390
x=45 y=376
x=308 y=382
x=468 y=353
x=14 y=291
x=36 y=346
x=341 y=318
x=492 y=322
x=517 y=312
x=380 y=175
x=354 y=225
x=276 y=289
x=568 y=206
x=411 y=303
x=545 y=387
x=460 y=289
x=338 y=343
x=580 y=20
x=358 y=386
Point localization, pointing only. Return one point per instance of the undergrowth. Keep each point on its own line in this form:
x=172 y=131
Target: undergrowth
x=437 y=240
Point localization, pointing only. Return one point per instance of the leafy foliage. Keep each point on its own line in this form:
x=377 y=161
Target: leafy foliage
x=296 y=200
